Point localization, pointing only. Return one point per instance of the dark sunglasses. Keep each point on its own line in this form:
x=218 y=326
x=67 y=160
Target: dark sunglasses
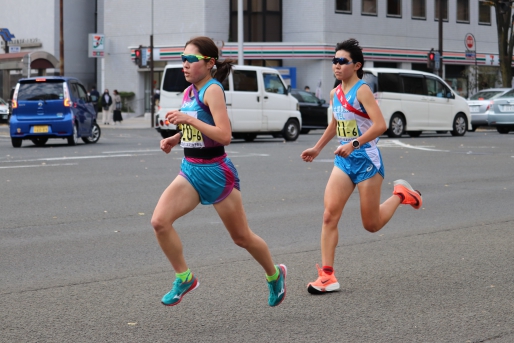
x=341 y=60
x=194 y=58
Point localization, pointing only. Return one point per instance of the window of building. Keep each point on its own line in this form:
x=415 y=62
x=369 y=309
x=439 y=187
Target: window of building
x=369 y=7
x=463 y=11
x=394 y=8
x=245 y=81
x=419 y=9
x=445 y=10
x=262 y=20
x=484 y=13
x=344 y=6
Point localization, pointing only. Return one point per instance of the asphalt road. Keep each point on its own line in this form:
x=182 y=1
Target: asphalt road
x=79 y=261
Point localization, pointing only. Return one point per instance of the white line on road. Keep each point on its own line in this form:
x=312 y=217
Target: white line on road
x=397 y=143
x=41 y=165
x=74 y=158
x=130 y=151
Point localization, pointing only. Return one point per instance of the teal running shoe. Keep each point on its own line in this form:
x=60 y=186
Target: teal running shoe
x=179 y=289
x=277 y=288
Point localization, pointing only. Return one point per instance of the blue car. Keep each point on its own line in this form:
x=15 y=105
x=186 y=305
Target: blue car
x=52 y=107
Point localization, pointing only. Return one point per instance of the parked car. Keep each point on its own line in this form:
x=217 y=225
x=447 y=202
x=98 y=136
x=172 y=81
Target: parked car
x=313 y=110
x=480 y=103
x=415 y=101
x=501 y=113
x=52 y=107
x=258 y=102
x=4 y=111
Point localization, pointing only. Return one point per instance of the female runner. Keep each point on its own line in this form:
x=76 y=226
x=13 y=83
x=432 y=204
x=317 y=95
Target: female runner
x=357 y=123
x=207 y=175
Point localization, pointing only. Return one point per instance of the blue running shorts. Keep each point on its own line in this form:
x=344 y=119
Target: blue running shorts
x=213 y=181
x=359 y=166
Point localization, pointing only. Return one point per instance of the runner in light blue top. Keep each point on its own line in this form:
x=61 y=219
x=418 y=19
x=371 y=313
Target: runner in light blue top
x=357 y=123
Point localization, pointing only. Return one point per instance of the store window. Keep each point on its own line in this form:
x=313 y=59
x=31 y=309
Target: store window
x=463 y=11
x=484 y=13
x=445 y=9
x=419 y=9
x=369 y=7
x=394 y=8
x=344 y=6
x=262 y=20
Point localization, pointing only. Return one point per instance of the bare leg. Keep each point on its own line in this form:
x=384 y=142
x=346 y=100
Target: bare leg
x=232 y=214
x=375 y=215
x=338 y=190
x=177 y=200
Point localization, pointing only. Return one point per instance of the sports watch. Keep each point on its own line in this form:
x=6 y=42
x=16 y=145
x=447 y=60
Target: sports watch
x=356 y=144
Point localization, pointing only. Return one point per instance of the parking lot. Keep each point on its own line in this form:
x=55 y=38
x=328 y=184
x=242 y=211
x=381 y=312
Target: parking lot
x=79 y=261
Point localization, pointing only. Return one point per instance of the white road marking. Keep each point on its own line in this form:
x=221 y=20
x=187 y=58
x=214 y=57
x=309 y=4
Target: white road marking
x=65 y=158
x=130 y=151
x=41 y=165
x=397 y=143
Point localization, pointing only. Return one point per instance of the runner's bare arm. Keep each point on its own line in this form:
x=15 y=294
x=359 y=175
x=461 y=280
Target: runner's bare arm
x=366 y=98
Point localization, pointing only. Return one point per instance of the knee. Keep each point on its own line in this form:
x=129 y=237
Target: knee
x=160 y=225
x=371 y=226
x=242 y=241
x=330 y=218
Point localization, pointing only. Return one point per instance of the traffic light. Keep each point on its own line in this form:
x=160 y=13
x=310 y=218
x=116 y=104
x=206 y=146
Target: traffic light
x=431 y=60
x=138 y=57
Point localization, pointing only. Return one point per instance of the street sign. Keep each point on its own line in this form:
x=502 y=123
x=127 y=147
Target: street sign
x=470 y=55
x=469 y=42
x=14 y=49
x=144 y=57
x=437 y=60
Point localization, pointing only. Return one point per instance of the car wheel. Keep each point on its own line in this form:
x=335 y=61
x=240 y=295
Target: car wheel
x=414 y=133
x=74 y=138
x=502 y=130
x=442 y=132
x=16 y=142
x=41 y=141
x=291 y=130
x=460 y=125
x=249 y=137
x=95 y=135
x=396 y=126
x=305 y=131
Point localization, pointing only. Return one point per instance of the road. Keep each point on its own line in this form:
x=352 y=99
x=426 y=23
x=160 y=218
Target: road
x=79 y=261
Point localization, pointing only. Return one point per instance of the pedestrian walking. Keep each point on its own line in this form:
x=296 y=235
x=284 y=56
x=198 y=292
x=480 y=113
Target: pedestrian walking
x=357 y=122
x=106 y=102
x=116 y=114
x=207 y=175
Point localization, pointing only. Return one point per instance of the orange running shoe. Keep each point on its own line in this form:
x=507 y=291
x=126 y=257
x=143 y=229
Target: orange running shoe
x=325 y=283
x=410 y=195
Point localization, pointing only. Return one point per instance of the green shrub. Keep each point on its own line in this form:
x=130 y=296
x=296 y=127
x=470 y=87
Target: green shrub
x=126 y=101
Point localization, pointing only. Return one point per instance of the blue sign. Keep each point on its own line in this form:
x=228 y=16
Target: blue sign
x=6 y=35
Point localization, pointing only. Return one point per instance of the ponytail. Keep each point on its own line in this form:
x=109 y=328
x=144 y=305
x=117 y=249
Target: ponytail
x=222 y=69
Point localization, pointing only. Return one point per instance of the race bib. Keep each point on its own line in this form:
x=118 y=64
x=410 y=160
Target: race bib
x=191 y=137
x=347 y=129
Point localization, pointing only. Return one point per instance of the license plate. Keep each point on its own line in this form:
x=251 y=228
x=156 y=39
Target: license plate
x=474 y=109
x=40 y=129
x=507 y=108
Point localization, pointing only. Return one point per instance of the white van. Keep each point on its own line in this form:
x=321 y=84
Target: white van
x=258 y=102
x=415 y=101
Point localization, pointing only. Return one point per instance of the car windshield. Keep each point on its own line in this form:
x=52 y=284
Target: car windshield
x=2 y=102
x=509 y=94
x=41 y=90
x=485 y=95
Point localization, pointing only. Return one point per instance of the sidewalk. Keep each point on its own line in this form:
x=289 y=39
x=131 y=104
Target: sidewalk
x=141 y=122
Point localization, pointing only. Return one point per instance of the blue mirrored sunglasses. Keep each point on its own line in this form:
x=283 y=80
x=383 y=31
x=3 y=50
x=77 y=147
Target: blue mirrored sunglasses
x=341 y=60
x=194 y=58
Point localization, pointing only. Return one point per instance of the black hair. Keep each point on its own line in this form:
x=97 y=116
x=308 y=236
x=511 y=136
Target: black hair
x=206 y=47
x=352 y=47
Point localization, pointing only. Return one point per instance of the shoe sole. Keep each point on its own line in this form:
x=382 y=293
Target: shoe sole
x=189 y=290
x=411 y=190
x=330 y=288
x=284 y=270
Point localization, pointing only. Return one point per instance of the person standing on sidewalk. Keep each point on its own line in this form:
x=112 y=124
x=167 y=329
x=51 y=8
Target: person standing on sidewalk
x=358 y=122
x=207 y=175
x=106 y=102
x=116 y=116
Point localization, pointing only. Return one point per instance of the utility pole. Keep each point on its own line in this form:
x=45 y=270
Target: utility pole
x=440 y=71
x=152 y=91
x=61 y=41
x=240 y=33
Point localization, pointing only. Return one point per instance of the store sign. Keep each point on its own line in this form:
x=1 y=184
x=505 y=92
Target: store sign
x=492 y=60
x=96 y=45
x=24 y=42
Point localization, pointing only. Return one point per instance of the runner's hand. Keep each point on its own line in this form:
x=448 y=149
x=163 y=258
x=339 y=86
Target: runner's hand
x=168 y=143
x=309 y=155
x=176 y=117
x=344 y=150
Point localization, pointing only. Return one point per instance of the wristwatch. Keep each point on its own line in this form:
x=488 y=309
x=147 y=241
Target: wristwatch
x=356 y=144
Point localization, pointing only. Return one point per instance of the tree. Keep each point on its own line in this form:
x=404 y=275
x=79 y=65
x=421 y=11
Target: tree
x=503 y=10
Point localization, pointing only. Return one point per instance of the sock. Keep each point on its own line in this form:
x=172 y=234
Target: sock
x=328 y=270
x=274 y=276
x=402 y=197
x=185 y=276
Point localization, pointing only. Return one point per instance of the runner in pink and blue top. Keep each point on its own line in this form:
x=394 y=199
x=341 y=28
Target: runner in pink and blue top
x=207 y=175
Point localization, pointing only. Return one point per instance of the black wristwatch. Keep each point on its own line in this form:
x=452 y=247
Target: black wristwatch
x=356 y=144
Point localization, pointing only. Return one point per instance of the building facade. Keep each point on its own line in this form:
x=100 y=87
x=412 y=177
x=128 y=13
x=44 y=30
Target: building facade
x=297 y=35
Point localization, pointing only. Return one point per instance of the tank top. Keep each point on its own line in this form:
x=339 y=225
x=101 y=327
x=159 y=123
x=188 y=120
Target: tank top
x=351 y=125
x=193 y=138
